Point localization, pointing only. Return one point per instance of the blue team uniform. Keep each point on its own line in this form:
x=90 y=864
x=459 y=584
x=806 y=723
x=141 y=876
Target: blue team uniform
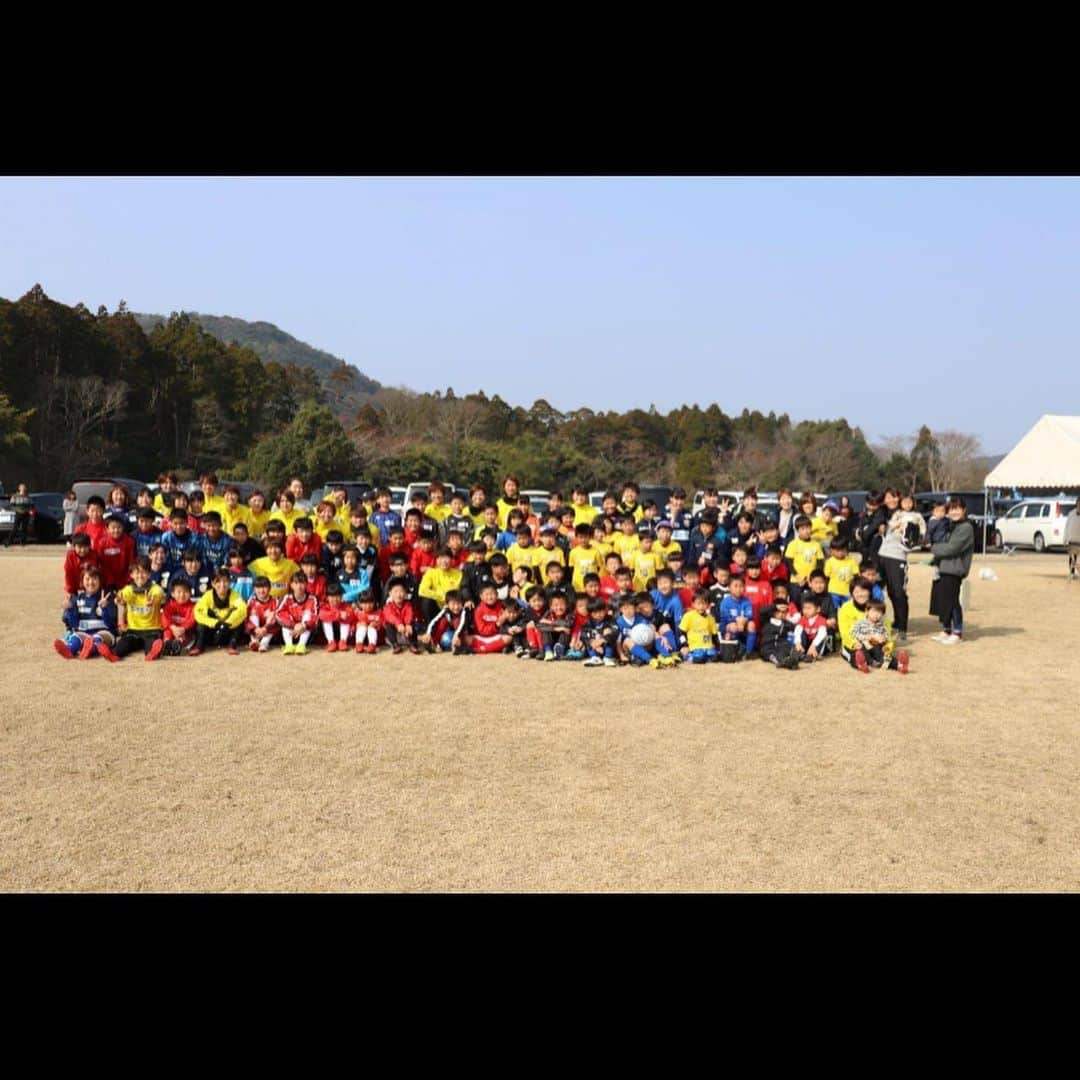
x=670 y=610
x=145 y=541
x=175 y=547
x=215 y=552
x=88 y=615
x=732 y=609
x=384 y=521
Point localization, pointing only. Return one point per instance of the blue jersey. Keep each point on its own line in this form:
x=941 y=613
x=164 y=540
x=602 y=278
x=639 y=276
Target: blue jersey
x=145 y=541
x=505 y=541
x=680 y=528
x=384 y=521
x=242 y=583
x=199 y=582
x=175 y=546
x=670 y=607
x=88 y=614
x=215 y=552
x=353 y=583
x=625 y=626
x=732 y=609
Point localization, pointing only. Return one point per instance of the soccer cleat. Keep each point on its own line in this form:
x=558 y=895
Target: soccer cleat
x=195 y=652
x=398 y=650
x=300 y=650
x=87 y=649
x=593 y=661
x=104 y=650
x=62 y=649
x=331 y=646
x=903 y=662
x=549 y=655
x=654 y=662
x=360 y=647
x=233 y=650
x=254 y=646
x=373 y=649
x=155 y=650
x=288 y=650
x=860 y=662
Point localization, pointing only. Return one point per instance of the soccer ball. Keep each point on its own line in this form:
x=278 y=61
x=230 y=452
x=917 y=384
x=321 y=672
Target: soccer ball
x=642 y=634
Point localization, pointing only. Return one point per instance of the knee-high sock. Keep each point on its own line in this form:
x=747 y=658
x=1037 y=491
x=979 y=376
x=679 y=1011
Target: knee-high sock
x=286 y=633
x=344 y=632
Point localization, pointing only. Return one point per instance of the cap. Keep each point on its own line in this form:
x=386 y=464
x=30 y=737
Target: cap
x=831 y=505
x=549 y=528
x=665 y=524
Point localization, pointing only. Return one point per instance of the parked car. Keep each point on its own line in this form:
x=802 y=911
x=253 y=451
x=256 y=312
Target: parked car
x=538 y=500
x=84 y=489
x=422 y=486
x=354 y=489
x=46 y=517
x=1035 y=523
x=856 y=498
x=397 y=499
x=981 y=521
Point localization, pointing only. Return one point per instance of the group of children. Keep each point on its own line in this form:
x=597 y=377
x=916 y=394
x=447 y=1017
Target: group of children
x=626 y=584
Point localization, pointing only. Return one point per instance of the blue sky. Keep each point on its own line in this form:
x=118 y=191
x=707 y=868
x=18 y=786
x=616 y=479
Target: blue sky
x=890 y=302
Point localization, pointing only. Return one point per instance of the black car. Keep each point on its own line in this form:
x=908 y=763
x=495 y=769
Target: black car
x=856 y=498
x=354 y=489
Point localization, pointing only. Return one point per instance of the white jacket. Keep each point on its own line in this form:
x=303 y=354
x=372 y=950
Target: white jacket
x=1072 y=528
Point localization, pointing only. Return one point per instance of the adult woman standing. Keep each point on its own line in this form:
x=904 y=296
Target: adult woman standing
x=119 y=502
x=70 y=506
x=892 y=560
x=786 y=516
x=953 y=560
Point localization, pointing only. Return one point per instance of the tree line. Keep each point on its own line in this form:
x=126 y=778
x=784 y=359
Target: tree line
x=84 y=393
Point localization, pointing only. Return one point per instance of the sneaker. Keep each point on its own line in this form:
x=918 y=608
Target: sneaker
x=609 y=661
x=560 y=651
x=254 y=646
x=413 y=649
x=593 y=661
x=526 y=654
x=860 y=662
x=655 y=663
x=300 y=650
x=902 y=635
x=331 y=646
x=286 y=650
x=156 y=648
x=575 y=654
x=87 y=649
x=952 y=639
x=940 y=638
x=62 y=649
x=549 y=655
x=232 y=650
x=104 y=650
x=791 y=663
x=195 y=652
x=903 y=662
x=361 y=647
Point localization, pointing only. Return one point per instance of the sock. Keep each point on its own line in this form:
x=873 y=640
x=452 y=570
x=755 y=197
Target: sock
x=373 y=635
x=264 y=644
x=641 y=653
x=666 y=643
x=344 y=634
x=74 y=643
x=286 y=633
x=751 y=641
x=304 y=637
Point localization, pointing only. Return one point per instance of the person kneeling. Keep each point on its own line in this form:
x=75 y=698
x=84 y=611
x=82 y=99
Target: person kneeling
x=219 y=616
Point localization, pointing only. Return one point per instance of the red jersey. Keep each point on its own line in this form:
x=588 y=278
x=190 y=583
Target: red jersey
x=579 y=622
x=779 y=574
x=261 y=612
x=316 y=587
x=74 y=567
x=296 y=549
x=411 y=537
x=345 y=614
x=486 y=619
x=369 y=618
x=608 y=587
x=292 y=612
x=686 y=598
x=421 y=560
x=94 y=531
x=385 y=552
x=736 y=570
x=115 y=557
x=178 y=618
x=396 y=616
x=812 y=626
x=759 y=593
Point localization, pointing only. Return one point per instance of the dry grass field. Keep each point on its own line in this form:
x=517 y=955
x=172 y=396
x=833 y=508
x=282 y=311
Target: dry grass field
x=439 y=773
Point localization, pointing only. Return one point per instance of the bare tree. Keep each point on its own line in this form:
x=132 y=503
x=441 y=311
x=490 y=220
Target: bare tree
x=956 y=467
x=77 y=414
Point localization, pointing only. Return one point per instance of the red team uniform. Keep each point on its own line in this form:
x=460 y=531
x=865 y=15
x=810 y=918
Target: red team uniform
x=488 y=630
x=115 y=558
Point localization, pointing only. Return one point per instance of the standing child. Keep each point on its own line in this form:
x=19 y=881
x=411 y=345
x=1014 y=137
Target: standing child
x=116 y=553
x=241 y=579
x=841 y=569
x=94 y=527
x=738 y=631
x=215 y=542
x=804 y=555
x=77 y=561
x=699 y=630
x=146 y=533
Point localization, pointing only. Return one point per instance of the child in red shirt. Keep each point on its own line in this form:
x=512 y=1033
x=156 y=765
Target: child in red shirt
x=489 y=617
x=399 y=620
x=396 y=546
x=304 y=540
x=335 y=613
x=178 y=618
x=116 y=552
x=297 y=615
x=773 y=567
x=691 y=581
x=423 y=556
x=81 y=557
x=757 y=591
x=317 y=582
x=261 y=623
x=811 y=631
x=369 y=621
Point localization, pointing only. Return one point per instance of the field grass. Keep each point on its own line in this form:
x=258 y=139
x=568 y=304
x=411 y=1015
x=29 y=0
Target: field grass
x=439 y=773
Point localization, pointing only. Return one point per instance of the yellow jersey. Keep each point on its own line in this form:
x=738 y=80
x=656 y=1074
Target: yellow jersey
x=645 y=565
x=840 y=573
x=288 y=518
x=256 y=521
x=699 y=630
x=585 y=515
x=234 y=610
x=239 y=515
x=804 y=556
x=277 y=573
x=142 y=609
x=822 y=531
x=584 y=561
x=549 y=555
x=665 y=551
x=625 y=545
x=438 y=513
x=517 y=556
x=436 y=583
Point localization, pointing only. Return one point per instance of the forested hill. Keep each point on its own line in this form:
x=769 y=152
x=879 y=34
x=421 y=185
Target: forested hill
x=345 y=386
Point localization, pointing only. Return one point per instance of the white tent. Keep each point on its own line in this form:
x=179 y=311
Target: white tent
x=1048 y=456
